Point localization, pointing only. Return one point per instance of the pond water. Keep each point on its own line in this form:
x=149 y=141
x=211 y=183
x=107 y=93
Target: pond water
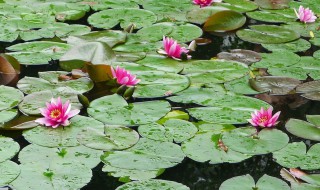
x=201 y=90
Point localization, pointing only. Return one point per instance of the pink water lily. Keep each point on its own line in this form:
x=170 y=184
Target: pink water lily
x=264 y=118
x=205 y=3
x=124 y=77
x=173 y=49
x=56 y=113
x=305 y=15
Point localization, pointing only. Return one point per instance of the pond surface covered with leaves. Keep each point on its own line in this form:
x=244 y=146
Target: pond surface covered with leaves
x=148 y=94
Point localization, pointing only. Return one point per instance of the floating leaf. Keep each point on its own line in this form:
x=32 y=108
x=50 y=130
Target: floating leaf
x=272 y=17
x=7 y=115
x=241 y=86
x=299 y=45
x=9 y=172
x=245 y=140
x=267 y=34
x=155 y=184
x=277 y=59
x=223 y=21
x=310 y=90
x=239 y=5
x=246 y=182
x=269 y=4
x=199 y=16
x=307 y=130
x=162 y=63
x=241 y=55
x=9 y=97
x=295 y=155
x=115 y=110
x=9 y=148
x=109 y=138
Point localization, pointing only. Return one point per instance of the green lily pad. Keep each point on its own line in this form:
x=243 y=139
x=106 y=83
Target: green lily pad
x=109 y=138
x=303 y=29
x=304 y=186
x=274 y=84
x=7 y=115
x=299 y=45
x=50 y=81
x=316 y=54
x=138 y=47
x=239 y=5
x=208 y=72
x=241 y=86
x=145 y=155
x=310 y=90
x=173 y=129
x=267 y=34
x=246 y=182
x=60 y=175
x=125 y=16
x=35 y=154
x=272 y=17
x=162 y=63
x=115 y=110
x=155 y=184
x=20 y=122
x=107 y=4
x=38 y=53
x=315 y=41
x=305 y=129
x=277 y=59
x=9 y=97
x=9 y=172
x=245 y=141
x=129 y=57
x=295 y=155
x=31 y=103
x=9 y=148
x=157 y=84
x=279 y=4
x=227 y=109
x=223 y=21
x=62 y=136
x=152 y=33
x=185 y=32
x=204 y=147
x=111 y=37
x=200 y=15
x=241 y=55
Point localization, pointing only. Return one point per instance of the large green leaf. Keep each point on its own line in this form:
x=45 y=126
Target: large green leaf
x=267 y=34
x=162 y=63
x=115 y=110
x=200 y=15
x=267 y=4
x=241 y=86
x=9 y=172
x=295 y=155
x=246 y=182
x=272 y=17
x=245 y=140
x=299 y=45
x=277 y=59
x=305 y=129
x=239 y=5
x=7 y=115
x=154 y=185
x=9 y=97
x=9 y=148
x=223 y=21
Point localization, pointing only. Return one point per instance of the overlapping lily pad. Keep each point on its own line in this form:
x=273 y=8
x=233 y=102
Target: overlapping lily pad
x=162 y=63
x=307 y=130
x=299 y=45
x=9 y=148
x=295 y=155
x=115 y=110
x=50 y=81
x=9 y=97
x=146 y=155
x=239 y=5
x=199 y=16
x=246 y=140
x=310 y=90
x=241 y=86
x=173 y=129
x=7 y=115
x=267 y=34
x=272 y=17
x=223 y=21
x=154 y=184
x=267 y=4
x=9 y=172
x=277 y=59
x=62 y=136
x=246 y=182
x=125 y=16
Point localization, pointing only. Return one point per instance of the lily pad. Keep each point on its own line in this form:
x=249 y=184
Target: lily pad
x=267 y=34
x=241 y=86
x=272 y=17
x=35 y=154
x=310 y=90
x=223 y=21
x=277 y=59
x=61 y=137
x=241 y=55
x=299 y=45
x=115 y=110
x=9 y=172
x=295 y=155
x=307 y=130
x=157 y=84
x=185 y=32
x=50 y=81
x=7 y=115
x=9 y=148
x=145 y=155
x=267 y=4
x=246 y=182
x=155 y=184
x=239 y=5
x=173 y=129
x=303 y=29
x=109 y=138
x=274 y=84
x=9 y=97
x=200 y=15
x=162 y=63
x=245 y=140
x=125 y=16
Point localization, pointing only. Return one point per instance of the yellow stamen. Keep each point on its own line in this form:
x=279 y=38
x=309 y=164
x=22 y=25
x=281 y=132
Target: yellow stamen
x=263 y=119
x=55 y=113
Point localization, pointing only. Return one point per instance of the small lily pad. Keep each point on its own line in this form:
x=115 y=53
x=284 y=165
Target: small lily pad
x=115 y=110
x=295 y=155
x=223 y=21
x=246 y=182
x=299 y=45
x=305 y=129
x=9 y=148
x=9 y=97
x=245 y=140
x=155 y=184
x=7 y=115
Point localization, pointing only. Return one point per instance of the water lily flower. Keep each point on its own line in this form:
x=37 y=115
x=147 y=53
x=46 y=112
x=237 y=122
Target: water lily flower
x=173 y=49
x=305 y=15
x=264 y=118
x=205 y=3
x=56 y=113
x=124 y=77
